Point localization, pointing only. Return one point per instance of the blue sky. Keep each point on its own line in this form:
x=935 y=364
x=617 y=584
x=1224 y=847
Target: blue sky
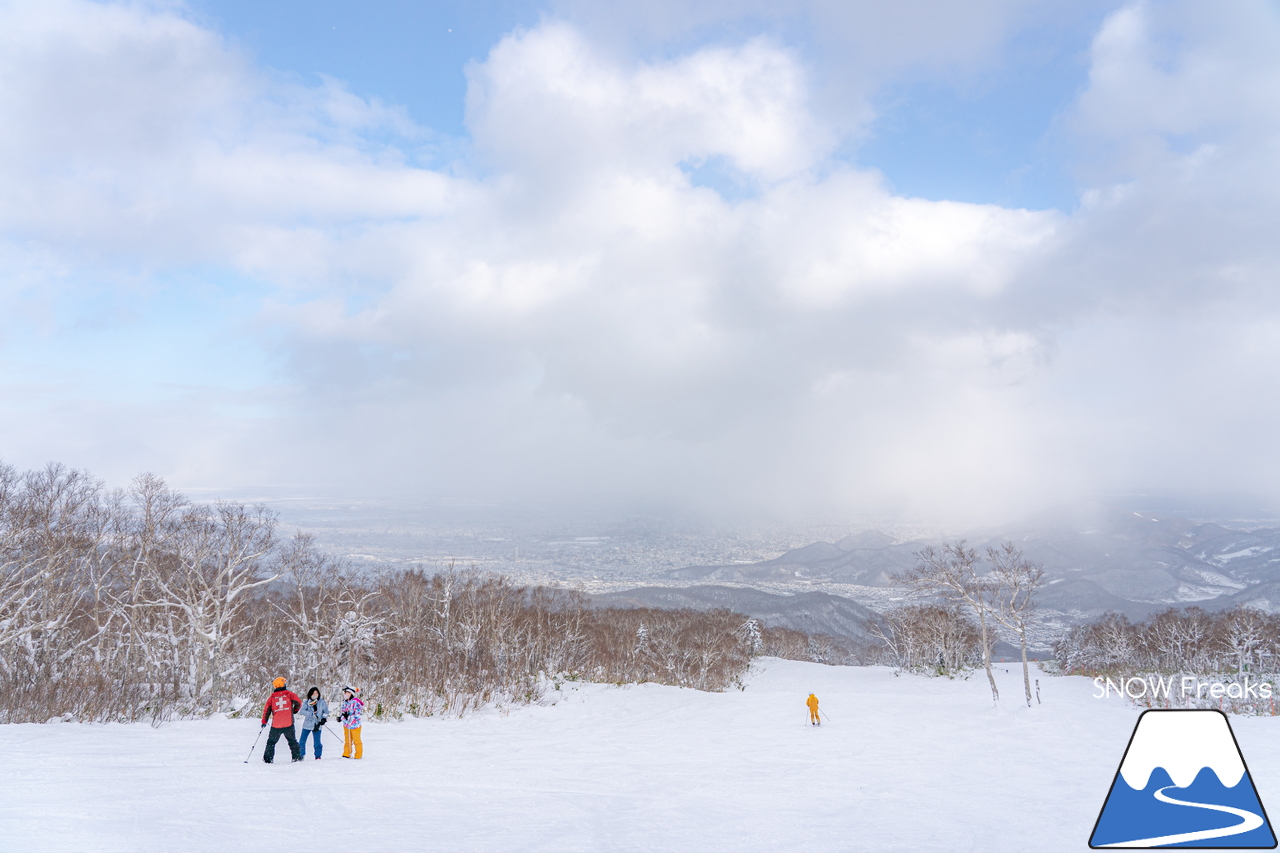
x=988 y=136
x=407 y=53
x=808 y=258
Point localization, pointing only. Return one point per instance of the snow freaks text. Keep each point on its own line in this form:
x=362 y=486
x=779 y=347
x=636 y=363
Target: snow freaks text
x=1184 y=687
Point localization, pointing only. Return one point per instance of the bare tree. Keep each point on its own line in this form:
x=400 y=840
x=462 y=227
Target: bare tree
x=52 y=525
x=20 y=574
x=950 y=572
x=1015 y=583
x=929 y=638
x=321 y=589
x=219 y=559
x=1243 y=631
x=751 y=636
x=357 y=631
x=1194 y=631
x=1176 y=638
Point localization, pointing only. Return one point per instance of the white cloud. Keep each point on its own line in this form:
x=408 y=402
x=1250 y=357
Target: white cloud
x=138 y=135
x=1177 y=135
x=567 y=312
x=546 y=100
x=856 y=46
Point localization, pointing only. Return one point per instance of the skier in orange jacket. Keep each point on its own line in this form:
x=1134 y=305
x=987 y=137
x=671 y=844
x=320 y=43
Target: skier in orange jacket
x=812 y=702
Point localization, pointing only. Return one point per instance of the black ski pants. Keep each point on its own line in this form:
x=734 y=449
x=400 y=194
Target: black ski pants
x=269 y=754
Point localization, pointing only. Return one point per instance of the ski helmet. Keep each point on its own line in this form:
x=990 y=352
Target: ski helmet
x=279 y=682
x=350 y=690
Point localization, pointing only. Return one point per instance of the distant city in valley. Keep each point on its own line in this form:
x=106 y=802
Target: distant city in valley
x=821 y=578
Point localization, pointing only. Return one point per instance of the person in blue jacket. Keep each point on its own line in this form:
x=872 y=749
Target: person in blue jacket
x=314 y=713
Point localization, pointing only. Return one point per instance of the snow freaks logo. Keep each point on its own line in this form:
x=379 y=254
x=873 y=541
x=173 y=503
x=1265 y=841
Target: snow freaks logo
x=1156 y=687
x=1182 y=783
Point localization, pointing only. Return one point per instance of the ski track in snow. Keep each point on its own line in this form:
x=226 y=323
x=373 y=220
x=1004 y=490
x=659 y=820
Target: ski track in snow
x=1248 y=821
x=901 y=764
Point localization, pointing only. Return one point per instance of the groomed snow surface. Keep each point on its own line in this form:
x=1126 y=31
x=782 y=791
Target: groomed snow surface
x=902 y=763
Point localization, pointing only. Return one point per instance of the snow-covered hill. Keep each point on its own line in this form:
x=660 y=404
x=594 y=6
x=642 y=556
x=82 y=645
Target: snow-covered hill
x=902 y=763
x=1097 y=558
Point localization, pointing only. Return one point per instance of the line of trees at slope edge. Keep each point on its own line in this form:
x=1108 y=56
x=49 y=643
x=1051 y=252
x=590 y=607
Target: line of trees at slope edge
x=1176 y=640
x=1233 y=646
x=939 y=637
x=138 y=604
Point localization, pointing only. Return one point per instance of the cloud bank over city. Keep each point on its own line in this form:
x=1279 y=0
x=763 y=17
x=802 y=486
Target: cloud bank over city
x=653 y=269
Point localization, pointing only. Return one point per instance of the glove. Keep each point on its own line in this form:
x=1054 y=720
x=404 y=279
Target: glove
x=264 y=725
x=323 y=720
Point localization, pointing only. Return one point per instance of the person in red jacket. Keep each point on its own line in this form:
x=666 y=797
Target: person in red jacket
x=280 y=708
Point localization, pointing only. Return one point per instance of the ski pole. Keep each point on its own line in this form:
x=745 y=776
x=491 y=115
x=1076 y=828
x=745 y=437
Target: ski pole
x=255 y=745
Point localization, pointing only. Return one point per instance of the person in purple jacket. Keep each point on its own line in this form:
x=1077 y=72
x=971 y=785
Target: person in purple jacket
x=351 y=714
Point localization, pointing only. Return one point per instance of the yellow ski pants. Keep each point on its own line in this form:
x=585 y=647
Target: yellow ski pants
x=351 y=737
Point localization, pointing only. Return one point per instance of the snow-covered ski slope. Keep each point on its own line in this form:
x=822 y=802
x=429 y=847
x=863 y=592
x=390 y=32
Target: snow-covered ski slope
x=907 y=763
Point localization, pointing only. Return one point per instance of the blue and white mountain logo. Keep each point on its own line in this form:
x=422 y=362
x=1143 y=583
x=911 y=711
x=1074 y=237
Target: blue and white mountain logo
x=1183 y=783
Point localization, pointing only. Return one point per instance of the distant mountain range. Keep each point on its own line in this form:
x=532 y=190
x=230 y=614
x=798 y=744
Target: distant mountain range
x=1096 y=559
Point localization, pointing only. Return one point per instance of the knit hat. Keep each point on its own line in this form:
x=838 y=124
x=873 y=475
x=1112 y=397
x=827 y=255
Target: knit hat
x=352 y=690
x=279 y=682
